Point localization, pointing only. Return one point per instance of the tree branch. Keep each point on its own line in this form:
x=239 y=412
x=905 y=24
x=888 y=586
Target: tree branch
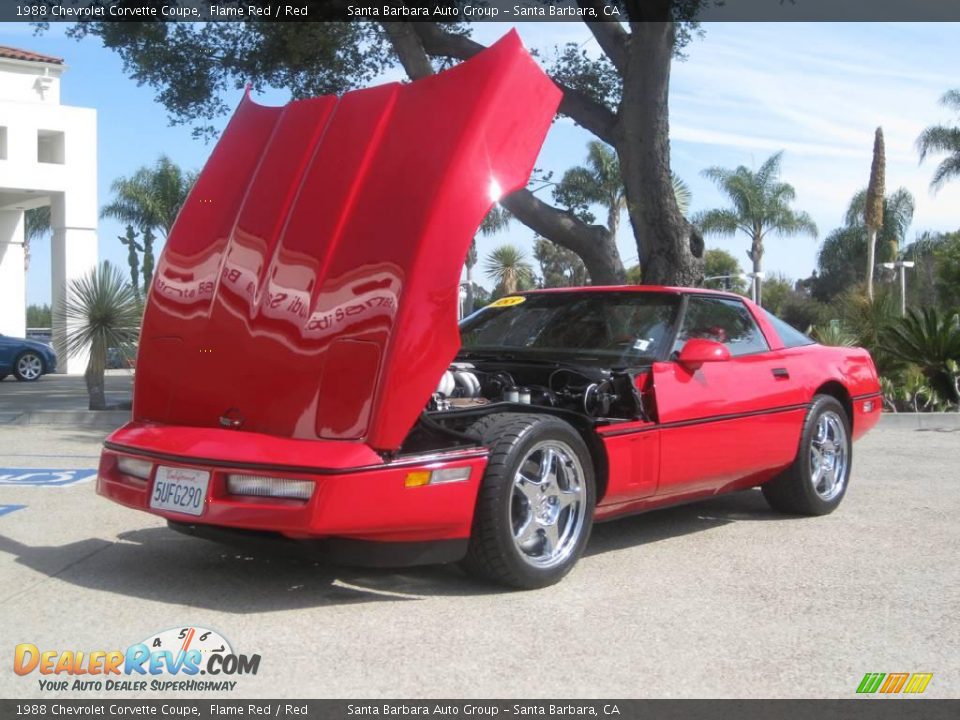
x=610 y=35
x=592 y=115
x=408 y=48
x=590 y=242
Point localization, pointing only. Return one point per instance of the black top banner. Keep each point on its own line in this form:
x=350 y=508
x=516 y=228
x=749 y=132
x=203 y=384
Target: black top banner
x=513 y=11
x=286 y=709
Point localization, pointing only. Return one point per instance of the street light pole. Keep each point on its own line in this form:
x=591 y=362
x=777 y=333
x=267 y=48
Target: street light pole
x=755 y=279
x=902 y=266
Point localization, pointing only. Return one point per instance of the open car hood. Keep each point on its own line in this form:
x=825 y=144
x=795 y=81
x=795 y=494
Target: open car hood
x=309 y=287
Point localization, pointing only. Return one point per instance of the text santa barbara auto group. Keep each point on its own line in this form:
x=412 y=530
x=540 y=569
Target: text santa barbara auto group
x=481 y=11
x=545 y=709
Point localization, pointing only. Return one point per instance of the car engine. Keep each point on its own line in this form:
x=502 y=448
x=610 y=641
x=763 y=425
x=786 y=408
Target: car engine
x=586 y=390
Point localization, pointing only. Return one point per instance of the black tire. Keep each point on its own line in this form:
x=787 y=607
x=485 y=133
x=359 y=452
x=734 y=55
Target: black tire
x=494 y=553
x=794 y=491
x=28 y=355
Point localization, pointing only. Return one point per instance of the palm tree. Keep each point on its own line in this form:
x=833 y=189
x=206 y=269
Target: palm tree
x=599 y=182
x=943 y=139
x=496 y=220
x=151 y=198
x=682 y=193
x=36 y=226
x=100 y=310
x=896 y=216
x=761 y=205
x=873 y=205
x=508 y=266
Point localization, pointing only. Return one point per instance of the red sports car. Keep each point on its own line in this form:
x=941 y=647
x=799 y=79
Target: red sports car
x=301 y=374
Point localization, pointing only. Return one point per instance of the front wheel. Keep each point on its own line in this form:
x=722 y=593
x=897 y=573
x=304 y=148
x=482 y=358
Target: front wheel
x=535 y=507
x=28 y=366
x=817 y=480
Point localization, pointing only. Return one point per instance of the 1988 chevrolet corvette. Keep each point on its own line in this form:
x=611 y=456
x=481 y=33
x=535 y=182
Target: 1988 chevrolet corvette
x=301 y=374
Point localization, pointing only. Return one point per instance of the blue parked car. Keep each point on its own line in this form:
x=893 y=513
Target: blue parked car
x=26 y=359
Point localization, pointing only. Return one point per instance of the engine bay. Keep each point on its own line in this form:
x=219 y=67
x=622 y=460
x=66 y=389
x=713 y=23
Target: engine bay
x=593 y=392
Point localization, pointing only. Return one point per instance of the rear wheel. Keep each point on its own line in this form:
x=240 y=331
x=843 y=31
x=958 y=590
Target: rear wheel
x=28 y=366
x=535 y=508
x=817 y=480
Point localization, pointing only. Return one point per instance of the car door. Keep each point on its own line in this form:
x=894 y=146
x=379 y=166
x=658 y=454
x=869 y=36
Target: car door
x=730 y=421
x=7 y=346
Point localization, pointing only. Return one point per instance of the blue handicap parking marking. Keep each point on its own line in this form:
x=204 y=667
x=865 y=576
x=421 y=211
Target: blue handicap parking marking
x=7 y=509
x=37 y=477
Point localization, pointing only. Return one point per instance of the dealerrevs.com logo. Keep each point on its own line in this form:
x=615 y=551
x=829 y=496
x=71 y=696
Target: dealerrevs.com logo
x=169 y=661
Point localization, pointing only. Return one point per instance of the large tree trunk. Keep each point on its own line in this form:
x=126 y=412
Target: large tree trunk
x=871 y=259
x=593 y=243
x=670 y=249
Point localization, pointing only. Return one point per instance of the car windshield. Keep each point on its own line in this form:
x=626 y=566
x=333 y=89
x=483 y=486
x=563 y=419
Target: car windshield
x=612 y=328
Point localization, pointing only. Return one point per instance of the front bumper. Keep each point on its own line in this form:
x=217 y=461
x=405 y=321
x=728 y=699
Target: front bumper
x=369 y=505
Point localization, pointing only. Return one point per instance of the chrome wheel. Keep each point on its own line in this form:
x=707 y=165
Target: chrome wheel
x=829 y=456
x=29 y=366
x=548 y=504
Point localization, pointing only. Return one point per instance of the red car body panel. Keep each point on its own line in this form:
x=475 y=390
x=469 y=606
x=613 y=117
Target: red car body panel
x=304 y=309
x=362 y=502
x=728 y=425
x=309 y=286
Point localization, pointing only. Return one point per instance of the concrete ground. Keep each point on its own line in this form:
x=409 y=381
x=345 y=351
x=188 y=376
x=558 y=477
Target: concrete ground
x=716 y=599
x=59 y=392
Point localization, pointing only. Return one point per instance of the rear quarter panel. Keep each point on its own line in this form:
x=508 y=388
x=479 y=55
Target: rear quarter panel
x=817 y=366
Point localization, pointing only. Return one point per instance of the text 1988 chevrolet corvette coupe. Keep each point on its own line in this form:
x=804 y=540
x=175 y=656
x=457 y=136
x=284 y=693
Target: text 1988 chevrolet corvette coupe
x=301 y=374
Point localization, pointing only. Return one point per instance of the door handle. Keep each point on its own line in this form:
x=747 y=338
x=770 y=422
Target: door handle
x=781 y=373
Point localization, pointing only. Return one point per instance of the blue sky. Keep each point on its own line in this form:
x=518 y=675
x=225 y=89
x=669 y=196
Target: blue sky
x=817 y=91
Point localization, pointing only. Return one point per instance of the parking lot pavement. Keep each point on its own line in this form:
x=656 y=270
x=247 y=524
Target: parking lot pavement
x=60 y=392
x=716 y=599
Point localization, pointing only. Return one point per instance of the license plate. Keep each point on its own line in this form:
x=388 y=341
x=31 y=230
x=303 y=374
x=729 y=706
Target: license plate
x=180 y=490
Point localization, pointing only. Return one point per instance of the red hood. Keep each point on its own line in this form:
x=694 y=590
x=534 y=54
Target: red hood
x=310 y=284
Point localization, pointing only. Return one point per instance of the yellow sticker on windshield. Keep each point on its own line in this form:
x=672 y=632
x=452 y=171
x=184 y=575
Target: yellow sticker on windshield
x=508 y=301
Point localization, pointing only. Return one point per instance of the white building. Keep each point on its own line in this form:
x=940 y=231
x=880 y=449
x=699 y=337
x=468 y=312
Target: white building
x=48 y=156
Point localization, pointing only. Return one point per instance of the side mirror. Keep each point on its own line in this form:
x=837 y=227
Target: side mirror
x=698 y=351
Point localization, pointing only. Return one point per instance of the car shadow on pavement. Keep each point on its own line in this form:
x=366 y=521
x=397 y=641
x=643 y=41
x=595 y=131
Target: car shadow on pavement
x=161 y=565
x=164 y=566
x=666 y=523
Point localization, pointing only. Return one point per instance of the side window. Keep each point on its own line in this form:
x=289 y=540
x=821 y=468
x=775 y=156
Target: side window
x=790 y=336
x=725 y=321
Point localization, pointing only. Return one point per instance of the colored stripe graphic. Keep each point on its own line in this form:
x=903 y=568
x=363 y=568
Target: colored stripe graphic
x=918 y=682
x=870 y=682
x=894 y=682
